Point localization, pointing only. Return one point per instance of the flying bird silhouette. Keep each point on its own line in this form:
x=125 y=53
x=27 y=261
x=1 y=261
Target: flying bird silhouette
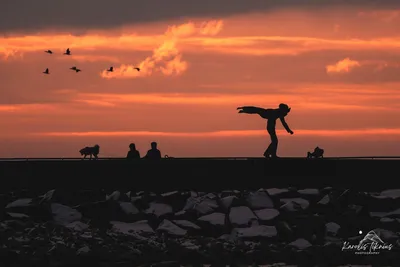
x=49 y=51
x=75 y=69
x=67 y=52
x=138 y=69
x=111 y=69
x=46 y=71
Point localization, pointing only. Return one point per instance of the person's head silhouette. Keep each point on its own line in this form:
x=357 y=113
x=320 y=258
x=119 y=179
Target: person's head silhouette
x=153 y=145
x=284 y=108
x=132 y=146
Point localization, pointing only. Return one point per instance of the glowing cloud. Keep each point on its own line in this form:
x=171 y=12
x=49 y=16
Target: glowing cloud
x=343 y=66
x=166 y=58
x=7 y=53
x=230 y=133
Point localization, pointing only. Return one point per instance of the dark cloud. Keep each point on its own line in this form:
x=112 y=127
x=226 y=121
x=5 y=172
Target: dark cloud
x=28 y=15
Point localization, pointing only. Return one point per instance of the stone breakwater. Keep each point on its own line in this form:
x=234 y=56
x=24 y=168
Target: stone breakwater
x=303 y=227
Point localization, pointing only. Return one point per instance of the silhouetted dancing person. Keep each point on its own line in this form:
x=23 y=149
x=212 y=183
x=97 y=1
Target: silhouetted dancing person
x=133 y=153
x=271 y=115
x=153 y=153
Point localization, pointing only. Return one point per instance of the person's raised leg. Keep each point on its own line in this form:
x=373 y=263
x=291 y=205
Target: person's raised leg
x=249 y=110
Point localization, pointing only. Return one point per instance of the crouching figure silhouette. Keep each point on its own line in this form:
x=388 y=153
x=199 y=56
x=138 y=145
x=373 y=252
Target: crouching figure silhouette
x=318 y=153
x=271 y=115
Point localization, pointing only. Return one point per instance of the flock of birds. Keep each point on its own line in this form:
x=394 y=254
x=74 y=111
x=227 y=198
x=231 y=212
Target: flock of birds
x=68 y=53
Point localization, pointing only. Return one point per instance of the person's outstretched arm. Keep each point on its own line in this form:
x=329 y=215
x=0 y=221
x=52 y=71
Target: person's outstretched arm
x=286 y=125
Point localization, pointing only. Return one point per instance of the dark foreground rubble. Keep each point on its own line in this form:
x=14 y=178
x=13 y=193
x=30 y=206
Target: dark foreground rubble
x=302 y=227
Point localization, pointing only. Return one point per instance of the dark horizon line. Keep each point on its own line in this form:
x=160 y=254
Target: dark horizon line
x=197 y=158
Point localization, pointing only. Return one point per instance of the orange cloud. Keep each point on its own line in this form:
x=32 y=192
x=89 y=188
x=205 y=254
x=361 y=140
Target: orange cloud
x=192 y=38
x=346 y=65
x=92 y=58
x=336 y=102
x=96 y=103
x=9 y=53
x=238 y=133
x=27 y=108
x=381 y=65
x=343 y=66
x=260 y=45
x=166 y=54
x=212 y=27
x=174 y=66
x=8 y=108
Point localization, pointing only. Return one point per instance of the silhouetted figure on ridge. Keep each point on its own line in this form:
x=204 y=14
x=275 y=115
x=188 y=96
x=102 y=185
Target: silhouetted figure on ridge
x=153 y=153
x=271 y=115
x=49 y=51
x=133 y=153
x=90 y=151
x=318 y=153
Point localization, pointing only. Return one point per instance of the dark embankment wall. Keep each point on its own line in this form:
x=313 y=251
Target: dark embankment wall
x=200 y=174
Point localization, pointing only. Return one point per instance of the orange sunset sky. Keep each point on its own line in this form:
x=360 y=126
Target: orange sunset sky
x=336 y=65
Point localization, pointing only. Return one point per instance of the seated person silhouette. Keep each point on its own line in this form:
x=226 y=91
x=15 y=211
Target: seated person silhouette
x=153 y=153
x=133 y=153
x=271 y=115
x=318 y=153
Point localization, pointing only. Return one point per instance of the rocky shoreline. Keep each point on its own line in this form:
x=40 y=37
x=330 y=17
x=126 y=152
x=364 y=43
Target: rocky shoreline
x=301 y=227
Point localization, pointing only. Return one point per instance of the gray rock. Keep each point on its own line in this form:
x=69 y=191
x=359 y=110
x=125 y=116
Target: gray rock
x=392 y=193
x=83 y=250
x=226 y=202
x=216 y=218
x=332 y=228
x=276 y=191
x=300 y=244
x=186 y=224
x=141 y=227
x=171 y=228
x=114 y=196
x=64 y=215
x=17 y=215
x=128 y=208
x=294 y=204
x=267 y=214
x=24 y=202
x=260 y=200
x=77 y=226
x=309 y=191
x=241 y=216
x=159 y=209
x=202 y=205
x=325 y=200
x=258 y=231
